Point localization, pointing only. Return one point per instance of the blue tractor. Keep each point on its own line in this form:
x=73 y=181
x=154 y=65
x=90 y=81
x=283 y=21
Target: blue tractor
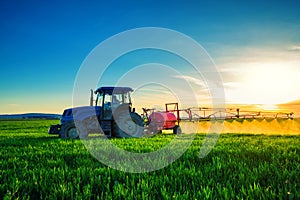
x=112 y=115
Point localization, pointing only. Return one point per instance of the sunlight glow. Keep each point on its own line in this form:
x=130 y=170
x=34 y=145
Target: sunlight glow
x=266 y=84
x=269 y=107
x=274 y=83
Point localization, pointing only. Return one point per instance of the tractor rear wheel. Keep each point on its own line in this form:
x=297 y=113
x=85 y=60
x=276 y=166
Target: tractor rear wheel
x=69 y=130
x=128 y=125
x=177 y=130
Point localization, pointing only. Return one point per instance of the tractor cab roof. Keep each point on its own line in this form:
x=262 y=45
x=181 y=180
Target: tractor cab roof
x=110 y=90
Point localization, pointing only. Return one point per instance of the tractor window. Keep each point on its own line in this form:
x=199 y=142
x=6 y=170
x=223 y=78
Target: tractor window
x=117 y=99
x=107 y=99
x=99 y=100
x=107 y=113
x=127 y=97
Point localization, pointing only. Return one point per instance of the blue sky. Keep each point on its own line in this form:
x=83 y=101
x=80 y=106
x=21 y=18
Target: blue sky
x=43 y=44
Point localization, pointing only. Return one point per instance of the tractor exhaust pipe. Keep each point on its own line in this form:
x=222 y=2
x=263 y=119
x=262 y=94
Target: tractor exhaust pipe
x=92 y=98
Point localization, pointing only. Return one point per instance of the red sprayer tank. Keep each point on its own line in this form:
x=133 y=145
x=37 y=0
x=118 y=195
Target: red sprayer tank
x=163 y=120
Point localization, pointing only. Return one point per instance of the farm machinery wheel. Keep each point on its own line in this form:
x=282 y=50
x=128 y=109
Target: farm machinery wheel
x=128 y=125
x=69 y=130
x=177 y=130
x=154 y=129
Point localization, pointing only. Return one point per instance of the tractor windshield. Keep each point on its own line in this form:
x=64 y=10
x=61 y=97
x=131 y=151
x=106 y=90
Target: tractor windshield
x=116 y=98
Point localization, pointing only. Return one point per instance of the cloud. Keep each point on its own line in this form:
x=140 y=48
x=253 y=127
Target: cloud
x=228 y=57
x=192 y=80
x=230 y=85
x=295 y=47
x=151 y=89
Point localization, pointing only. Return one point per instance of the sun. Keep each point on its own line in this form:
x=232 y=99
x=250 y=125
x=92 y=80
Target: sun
x=267 y=84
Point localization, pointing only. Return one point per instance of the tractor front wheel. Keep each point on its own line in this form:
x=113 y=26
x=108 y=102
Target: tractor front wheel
x=69 y=130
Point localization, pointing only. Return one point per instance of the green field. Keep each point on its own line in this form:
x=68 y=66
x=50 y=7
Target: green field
x=35 y=165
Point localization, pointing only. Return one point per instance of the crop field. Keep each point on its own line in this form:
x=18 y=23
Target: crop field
x=35 y=165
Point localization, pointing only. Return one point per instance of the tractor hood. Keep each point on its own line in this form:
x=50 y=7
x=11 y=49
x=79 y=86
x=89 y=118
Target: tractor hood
x=80 y=113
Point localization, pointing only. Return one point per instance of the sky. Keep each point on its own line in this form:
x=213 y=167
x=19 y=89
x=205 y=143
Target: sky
x=254 y=45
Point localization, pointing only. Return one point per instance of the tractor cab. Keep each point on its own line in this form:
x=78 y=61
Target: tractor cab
x=117 y=117
x=111 y=99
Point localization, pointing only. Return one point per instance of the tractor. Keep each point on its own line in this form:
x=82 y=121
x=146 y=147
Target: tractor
x=113 y=116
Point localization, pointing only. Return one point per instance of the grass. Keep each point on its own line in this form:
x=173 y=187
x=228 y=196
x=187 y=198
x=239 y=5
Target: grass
x=35 y=165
